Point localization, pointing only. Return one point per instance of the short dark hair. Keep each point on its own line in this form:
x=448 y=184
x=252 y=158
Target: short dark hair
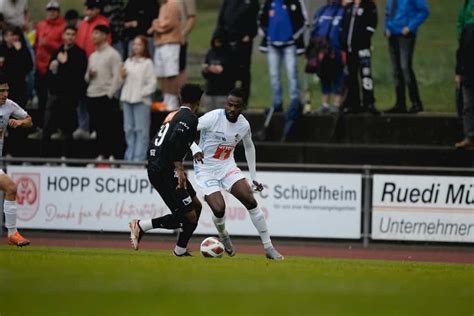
x=15 y=30
x=70 y=27
x=3 y=78
x=102 y=28
x=237 y=92
x=71 y=14
x=191 y=93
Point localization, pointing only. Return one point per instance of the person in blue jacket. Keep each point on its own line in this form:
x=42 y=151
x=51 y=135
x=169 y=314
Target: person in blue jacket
x=326 y=22
x=402 y=20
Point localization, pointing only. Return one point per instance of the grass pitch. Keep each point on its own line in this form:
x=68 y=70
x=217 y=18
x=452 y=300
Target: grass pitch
x=60 y=281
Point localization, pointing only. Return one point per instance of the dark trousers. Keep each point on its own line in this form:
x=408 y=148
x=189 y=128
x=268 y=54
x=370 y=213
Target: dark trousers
x=103 y=112
x=241 y=60
x=359 y=65
x=60 y=113
x=401 y=53
x=41 y=87
x=468 y=111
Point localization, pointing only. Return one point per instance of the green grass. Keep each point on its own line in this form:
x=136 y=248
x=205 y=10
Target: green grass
x=54 y=281
x=433 y=63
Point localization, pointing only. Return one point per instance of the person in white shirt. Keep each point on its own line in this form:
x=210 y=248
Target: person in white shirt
x=9 y=109
x=216 y=170
x=139 y=85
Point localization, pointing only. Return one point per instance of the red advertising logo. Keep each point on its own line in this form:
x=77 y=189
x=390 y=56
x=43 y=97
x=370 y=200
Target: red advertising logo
x=27 y=196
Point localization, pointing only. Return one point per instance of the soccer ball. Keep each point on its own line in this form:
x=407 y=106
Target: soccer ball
x=211 y=247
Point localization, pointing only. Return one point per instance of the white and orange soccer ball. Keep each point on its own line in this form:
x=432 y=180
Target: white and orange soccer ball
x=211 y=247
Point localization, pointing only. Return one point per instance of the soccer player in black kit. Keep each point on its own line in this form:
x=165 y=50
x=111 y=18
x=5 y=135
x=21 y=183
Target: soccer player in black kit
x=166 y=173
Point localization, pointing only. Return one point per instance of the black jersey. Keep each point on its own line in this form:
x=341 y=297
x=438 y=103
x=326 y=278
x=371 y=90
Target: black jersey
x=173 y=140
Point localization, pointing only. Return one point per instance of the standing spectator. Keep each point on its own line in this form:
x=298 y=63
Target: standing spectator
x=86 y=27
x=72 y=18
x=114 y=11
x=15 y=12
x=218 y=71
x=66 y=84
x=237 y=25
x=465 y=72
x=325 y=47
x=168 y=37
x=49 y=33
x=188 y=20
x=358 y=26
x=402 y=20
x=84 y=41
x=138 y=18
x=103 y=76
x=140 y=84
x=3 y=25
x=15 y=63
x=283 y=23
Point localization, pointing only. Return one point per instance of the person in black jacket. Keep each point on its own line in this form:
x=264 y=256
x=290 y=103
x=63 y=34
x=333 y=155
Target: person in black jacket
x=16 y=63
x=66 y=84
x=237 y=25
x=166 y=173
x=218 y=72
x=465 y=81
x=358 y=26
x=138 y=17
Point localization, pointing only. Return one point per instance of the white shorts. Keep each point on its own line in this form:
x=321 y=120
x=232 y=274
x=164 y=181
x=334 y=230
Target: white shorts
x=210 y=182
x=166 y=60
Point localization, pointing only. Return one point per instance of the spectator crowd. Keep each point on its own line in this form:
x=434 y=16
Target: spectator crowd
x=80 y=71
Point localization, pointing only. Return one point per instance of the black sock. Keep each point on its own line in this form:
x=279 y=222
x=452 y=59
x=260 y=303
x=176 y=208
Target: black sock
x=168 y=222
x=185 y=235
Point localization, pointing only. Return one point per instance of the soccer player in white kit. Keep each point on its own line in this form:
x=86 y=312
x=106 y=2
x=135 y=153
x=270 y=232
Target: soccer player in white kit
x=8 y=109
x=216 y=170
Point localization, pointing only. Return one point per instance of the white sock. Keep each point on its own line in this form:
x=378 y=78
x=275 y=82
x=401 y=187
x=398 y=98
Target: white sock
x=258 y=220
x=179 y=250
x=220 y=225
x=145 y=224
x=9 y=208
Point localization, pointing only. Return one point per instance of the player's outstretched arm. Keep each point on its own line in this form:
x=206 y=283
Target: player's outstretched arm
x=249 y=148
x=26 y=122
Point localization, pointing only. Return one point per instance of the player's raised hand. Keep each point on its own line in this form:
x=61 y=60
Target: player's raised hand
x=181 y=179
x=257 y=186
x=198 y=157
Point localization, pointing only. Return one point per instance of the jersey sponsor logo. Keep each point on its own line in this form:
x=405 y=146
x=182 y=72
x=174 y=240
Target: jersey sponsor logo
x=223 y=152
x=187 y=200
x=184 y=124
x=28 y=194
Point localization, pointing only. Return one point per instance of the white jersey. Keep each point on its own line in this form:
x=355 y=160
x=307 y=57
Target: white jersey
x=218 y=139
x=8 y=110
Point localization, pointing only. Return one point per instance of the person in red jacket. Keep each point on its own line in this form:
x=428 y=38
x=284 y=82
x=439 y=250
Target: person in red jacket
x=48 y=39
x=91 y=20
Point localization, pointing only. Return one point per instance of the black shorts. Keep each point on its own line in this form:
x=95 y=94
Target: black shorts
x=183 y=52
x=179 y=201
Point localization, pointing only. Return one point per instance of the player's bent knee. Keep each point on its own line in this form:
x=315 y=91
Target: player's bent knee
x=10 y=190
x=192 y=217
x=251 y=204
